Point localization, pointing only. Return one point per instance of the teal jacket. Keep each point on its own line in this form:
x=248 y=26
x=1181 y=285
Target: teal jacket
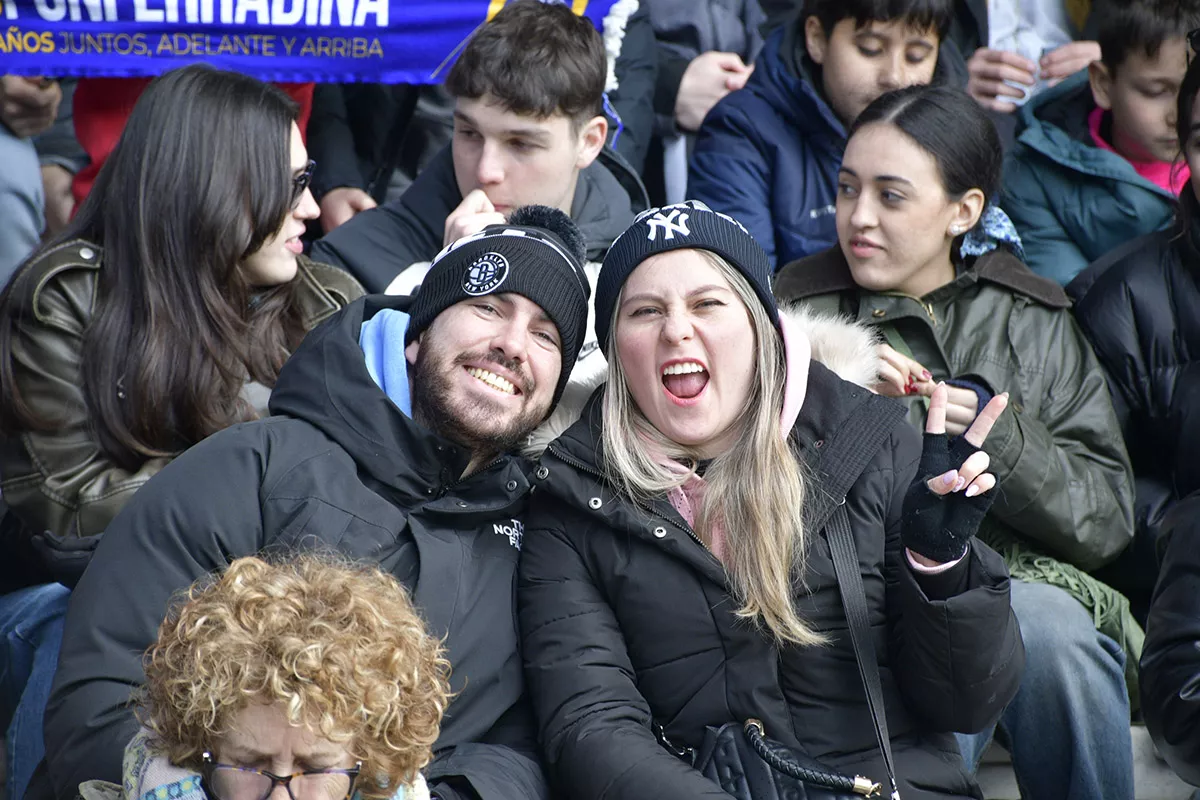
x=1071 y=201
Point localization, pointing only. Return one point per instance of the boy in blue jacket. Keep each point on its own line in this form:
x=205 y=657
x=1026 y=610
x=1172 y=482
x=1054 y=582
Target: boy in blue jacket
x=1096 y=161
x=768 y=154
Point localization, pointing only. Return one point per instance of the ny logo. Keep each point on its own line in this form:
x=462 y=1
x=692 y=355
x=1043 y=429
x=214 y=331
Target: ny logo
x=668 y=225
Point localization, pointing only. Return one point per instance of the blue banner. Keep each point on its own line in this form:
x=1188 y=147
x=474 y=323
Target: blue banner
x=386 y=41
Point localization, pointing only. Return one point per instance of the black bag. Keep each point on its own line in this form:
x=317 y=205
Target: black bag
x=739 y=757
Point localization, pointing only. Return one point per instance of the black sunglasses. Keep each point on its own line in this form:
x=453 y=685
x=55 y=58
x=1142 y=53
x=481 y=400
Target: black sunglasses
x=301 y=182
x=229 y=782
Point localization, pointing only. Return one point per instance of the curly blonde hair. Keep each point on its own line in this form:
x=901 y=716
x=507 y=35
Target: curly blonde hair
x=338 y=646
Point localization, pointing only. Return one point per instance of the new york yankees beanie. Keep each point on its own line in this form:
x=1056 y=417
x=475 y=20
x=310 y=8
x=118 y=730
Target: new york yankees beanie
x=688 y=225
x=539 y=254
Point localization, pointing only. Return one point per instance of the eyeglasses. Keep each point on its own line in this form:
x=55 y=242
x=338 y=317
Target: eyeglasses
x=301 y=182
x=227 y=782
x=1193 y=44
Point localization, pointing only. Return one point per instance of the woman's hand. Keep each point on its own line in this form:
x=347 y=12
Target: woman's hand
x=961 y=405
x=900 y=375
x=952 y=491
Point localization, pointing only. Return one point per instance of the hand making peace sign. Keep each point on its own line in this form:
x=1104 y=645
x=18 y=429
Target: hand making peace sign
x=952 y=491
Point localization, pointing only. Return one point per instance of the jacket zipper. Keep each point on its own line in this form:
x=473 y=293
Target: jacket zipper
x=579 y=465
x=929 y=311
x=447 y=487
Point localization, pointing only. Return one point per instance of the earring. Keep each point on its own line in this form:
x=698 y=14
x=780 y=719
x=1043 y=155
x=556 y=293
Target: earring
x=956 y=229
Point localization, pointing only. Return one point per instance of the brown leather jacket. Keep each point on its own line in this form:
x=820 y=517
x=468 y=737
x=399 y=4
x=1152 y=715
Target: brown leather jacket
x=59 y=483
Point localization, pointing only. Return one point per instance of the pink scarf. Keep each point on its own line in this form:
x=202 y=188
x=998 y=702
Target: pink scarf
x=1163 y=174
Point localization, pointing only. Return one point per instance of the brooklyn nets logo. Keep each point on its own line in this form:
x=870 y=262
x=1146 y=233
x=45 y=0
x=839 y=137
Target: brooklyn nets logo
x=485 y=274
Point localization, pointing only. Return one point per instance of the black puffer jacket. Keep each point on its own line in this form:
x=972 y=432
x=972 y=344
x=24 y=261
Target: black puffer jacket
x=340 y=467
x=626 y=619
x=1170 y=665
x=1140 y=308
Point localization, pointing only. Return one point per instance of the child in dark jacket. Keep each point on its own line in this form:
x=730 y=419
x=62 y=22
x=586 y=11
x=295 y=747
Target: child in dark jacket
x=1094 y=165
x=768 y=154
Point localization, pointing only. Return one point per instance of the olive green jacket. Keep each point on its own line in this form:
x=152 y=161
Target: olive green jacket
x=1066 y=486
x=59 y=482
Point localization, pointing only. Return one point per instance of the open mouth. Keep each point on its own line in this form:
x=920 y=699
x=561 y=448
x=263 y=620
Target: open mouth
x=493 y=381
x=684 y=380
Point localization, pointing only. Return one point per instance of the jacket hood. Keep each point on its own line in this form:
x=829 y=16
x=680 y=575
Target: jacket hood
x=607 y=198
x=845 y=348
x=827 y=272
x=1065 y=106
x=326 y=384
x=1055 y=124
x=784 y=76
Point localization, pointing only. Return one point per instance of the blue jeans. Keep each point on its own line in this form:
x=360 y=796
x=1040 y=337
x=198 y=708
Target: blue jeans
x=1068 y=727
x=31 y=631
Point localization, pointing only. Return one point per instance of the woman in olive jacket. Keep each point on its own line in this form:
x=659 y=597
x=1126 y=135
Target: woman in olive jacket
x=667 y=581
x=986 y=325
x=160 y=316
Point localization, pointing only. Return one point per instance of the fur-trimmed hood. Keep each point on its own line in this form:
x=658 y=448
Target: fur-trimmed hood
x=846 y=347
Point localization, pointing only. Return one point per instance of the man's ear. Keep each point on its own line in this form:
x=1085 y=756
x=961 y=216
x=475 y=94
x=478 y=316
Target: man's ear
x=1101 y=82
x=414 y=347
x=591 y=140
x=815 y=40
x=968 y=210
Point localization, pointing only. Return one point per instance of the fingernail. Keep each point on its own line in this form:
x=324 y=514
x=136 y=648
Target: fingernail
x=1004 y=395
x=950 y=477
x=926 y=374
x=959 y=484
x=972 y=490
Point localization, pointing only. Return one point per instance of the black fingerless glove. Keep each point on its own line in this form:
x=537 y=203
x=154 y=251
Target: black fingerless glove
x=939 y=527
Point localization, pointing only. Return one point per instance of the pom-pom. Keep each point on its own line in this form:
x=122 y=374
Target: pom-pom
x=557 y=223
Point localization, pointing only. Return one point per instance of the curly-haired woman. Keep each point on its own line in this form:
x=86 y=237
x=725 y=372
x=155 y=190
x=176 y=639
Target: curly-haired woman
x=310 y=674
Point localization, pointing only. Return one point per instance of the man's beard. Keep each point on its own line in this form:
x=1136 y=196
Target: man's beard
x=475 y=426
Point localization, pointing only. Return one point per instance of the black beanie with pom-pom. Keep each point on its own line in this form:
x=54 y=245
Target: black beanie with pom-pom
x=539 y=254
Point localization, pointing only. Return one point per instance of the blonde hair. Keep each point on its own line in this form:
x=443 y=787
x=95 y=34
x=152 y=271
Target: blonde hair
x=339 y=647
x=754 y=491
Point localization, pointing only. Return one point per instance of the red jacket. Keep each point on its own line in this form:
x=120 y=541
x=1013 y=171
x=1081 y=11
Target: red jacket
x=103 y=104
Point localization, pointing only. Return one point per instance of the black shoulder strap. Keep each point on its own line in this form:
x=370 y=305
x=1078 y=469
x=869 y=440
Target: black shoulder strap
x=847 y=453
x=843 y=460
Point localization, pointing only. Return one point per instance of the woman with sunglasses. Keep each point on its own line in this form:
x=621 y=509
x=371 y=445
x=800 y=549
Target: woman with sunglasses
x=308 y=674
x=160 y=316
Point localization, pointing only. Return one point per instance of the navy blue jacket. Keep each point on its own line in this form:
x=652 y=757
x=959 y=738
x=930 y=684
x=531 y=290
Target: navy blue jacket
x=768 y=155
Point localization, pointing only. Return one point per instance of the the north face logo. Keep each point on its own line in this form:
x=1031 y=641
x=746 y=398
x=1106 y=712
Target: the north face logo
x=515 y=532
x=670 y=224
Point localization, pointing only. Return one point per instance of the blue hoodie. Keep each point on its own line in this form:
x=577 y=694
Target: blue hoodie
x=768 y=154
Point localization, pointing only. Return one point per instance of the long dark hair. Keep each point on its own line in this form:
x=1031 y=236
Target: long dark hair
x=199 y=179
x=946 y=123
x=1188 y=213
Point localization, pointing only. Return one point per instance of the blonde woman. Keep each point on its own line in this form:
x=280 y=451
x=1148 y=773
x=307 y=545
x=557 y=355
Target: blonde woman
x=668 y=582
x=311 y=675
